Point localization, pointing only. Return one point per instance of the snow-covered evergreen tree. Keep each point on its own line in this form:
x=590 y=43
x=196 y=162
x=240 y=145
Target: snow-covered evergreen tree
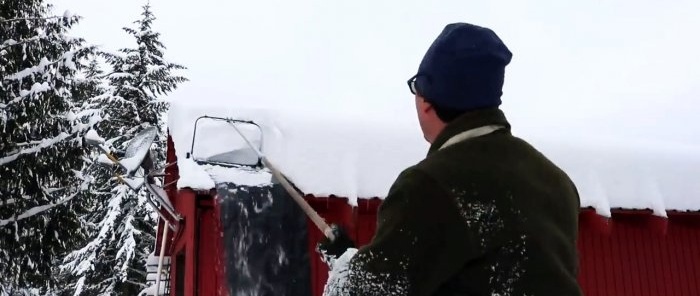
x=112 y=262
x=41 y=155
x=92 y=91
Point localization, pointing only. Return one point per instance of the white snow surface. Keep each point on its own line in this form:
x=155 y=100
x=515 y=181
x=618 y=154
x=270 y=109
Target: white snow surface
x=618 y=173
x=357 y=156
x=67 y=14
x=322 y=155
x=134 y=183
x=131 y=164
x=103 y=159
x=152 y=291
x=245 y=177
x=94 y=136
x=137 y=150
x=192 y=175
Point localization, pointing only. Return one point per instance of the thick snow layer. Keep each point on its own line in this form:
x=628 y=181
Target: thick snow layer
x=238 y=176
x=361 y=157
x=322 y=155
x=192 y=175
x=630 y=174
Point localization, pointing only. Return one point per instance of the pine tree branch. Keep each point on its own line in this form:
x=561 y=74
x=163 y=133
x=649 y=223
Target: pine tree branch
x=46 y=143
x=36 y=89
x=29 y=71
x=7 y=202
x=4 y=20
x=36 y=210
x=140 y=272
x=142 y=285
x=32 y=70
x=10 y=42
x=149 y=235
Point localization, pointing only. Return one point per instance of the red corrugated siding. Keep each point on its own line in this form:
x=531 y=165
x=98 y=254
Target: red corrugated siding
x=333 y=210
x=641 y=254
x=209 y=274
x=360 y=222
x=366 y=220
x=185 y=241
x=632 y=253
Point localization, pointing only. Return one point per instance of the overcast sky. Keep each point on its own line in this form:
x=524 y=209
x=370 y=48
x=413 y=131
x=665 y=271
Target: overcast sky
x=623 y=67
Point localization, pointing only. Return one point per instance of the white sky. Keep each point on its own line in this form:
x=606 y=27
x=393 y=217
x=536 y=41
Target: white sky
x=613 y=67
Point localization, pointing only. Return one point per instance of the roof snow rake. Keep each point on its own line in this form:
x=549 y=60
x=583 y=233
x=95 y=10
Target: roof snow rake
x=240 y=156
x=251 y=155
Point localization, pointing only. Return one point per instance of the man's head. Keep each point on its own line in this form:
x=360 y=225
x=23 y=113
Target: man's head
x=462 y=71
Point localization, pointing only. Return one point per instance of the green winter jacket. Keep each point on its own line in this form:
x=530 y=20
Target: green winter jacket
x=488 y=215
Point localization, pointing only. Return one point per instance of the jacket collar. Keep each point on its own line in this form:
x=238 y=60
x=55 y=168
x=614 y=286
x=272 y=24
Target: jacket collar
x=468 y=121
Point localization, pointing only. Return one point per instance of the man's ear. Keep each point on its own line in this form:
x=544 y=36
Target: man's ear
x=426 y=106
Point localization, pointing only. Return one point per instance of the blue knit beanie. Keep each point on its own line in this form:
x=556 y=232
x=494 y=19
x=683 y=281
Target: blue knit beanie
x=463 y=69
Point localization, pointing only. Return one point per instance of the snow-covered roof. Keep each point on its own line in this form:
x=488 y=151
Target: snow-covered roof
x=359 y=156
x=322 y=154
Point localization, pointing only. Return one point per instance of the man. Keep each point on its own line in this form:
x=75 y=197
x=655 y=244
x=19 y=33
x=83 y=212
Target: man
x=484 y=213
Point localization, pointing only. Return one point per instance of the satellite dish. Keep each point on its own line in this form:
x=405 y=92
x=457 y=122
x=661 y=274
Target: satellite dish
x=139 y=147
x=138 y=154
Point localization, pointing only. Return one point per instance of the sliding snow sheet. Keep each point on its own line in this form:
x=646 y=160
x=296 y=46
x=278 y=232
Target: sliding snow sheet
x=265 y=241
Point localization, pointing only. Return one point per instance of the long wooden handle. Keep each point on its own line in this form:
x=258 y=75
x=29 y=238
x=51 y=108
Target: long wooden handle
x=313 y=215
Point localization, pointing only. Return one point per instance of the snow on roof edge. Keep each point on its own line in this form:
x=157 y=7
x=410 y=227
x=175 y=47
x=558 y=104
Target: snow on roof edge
x=609 y=173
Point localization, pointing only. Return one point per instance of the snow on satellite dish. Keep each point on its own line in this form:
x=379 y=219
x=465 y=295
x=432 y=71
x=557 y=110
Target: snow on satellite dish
x=137 y=149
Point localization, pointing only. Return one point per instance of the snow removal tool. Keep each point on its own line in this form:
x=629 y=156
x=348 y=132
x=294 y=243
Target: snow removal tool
x=251 y=155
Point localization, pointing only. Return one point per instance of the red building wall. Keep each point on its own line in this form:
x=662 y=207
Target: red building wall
x=631 y=253
x=196 y=240
x=636 y=253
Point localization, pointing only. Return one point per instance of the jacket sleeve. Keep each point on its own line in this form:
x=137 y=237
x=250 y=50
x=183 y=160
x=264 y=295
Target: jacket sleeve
x=421 y=241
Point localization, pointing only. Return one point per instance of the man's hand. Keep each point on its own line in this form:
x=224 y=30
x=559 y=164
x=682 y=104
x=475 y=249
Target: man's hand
x=331 y=250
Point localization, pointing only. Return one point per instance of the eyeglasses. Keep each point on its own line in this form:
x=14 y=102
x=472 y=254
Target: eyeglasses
x=412 y=84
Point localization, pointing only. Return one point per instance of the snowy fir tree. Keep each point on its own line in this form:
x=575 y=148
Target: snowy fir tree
x=112 y=261
x=41 y=155
x=92 y=91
